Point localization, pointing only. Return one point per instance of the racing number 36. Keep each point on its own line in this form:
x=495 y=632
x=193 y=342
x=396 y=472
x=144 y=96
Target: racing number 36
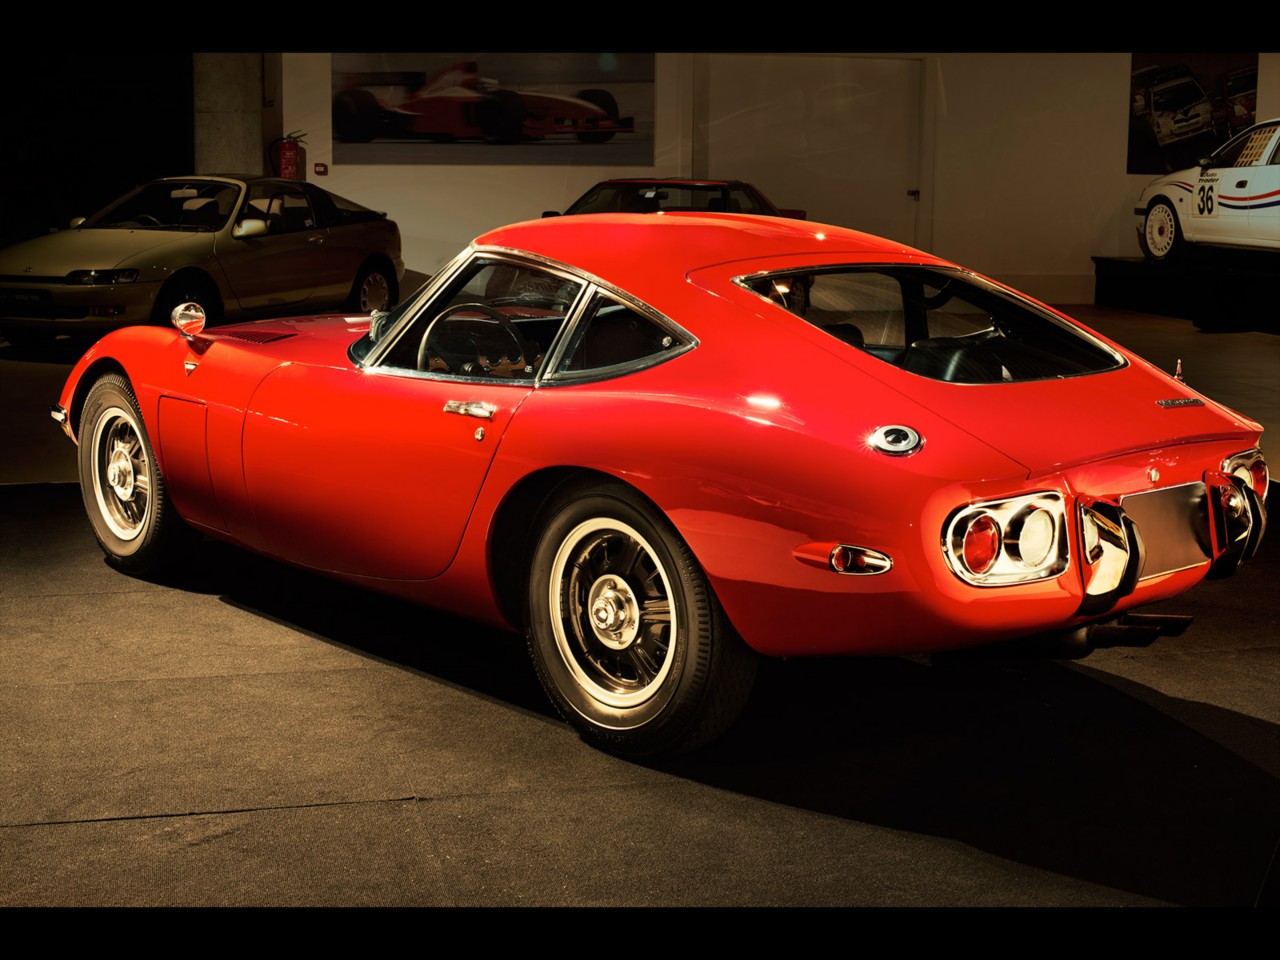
x=1204 y=200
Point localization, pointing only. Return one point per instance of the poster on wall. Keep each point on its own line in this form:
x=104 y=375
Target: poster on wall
x=495 y=108
x=1183 y=106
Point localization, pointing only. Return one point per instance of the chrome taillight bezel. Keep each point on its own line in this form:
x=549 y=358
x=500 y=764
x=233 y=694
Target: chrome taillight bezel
x=1022 y=528
x=1251 y=467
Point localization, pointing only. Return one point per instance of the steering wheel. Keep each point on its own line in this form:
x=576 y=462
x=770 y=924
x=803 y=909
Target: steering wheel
x=535 y=300
x=457 y=364
x=146 y=219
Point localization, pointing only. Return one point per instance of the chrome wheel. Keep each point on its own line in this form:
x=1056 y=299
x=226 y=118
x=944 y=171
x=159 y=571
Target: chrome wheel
x=1160 y=231
x=375 y=293
x=625 y=631
x=612 y=613
x=121 y=473
x=124 y=494
x=374 y=289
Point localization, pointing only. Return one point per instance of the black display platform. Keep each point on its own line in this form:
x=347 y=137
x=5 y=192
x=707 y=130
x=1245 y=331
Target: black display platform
x=1207 y=285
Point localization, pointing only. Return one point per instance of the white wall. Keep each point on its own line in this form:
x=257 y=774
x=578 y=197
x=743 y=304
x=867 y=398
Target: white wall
x=1028 y=164
x=1031 y=152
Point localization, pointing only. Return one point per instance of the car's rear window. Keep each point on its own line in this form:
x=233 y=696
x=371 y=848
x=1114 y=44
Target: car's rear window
x=654 y=197
x=942 y=324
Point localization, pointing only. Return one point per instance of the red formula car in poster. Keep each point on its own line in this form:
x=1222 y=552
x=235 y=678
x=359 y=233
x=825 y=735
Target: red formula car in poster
x=624 y=436
x=457 y=103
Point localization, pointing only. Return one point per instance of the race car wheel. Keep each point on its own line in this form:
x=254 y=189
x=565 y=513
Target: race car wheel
x=501 y=117
x=123 y=491
x=356 y=116
x=374 y=289
x=1161 y=235
x=626 y=635
x=606 y=102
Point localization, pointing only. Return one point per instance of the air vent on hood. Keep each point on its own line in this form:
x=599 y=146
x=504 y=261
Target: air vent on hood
x=254 y=336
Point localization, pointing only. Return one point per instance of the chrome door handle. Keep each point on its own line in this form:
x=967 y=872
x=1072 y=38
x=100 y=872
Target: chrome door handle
x=471 y=408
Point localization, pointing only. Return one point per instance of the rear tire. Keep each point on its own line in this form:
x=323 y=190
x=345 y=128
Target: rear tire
x=356 y=116
x=374 y=289
x=625 y=633
x=124 y=493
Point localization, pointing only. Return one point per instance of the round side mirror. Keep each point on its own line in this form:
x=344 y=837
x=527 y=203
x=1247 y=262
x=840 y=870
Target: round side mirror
x=188 y=318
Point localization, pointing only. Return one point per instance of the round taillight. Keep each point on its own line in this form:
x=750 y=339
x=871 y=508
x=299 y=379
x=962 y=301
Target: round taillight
x=981 y=544
x=1255 y=475
x=1035 y=537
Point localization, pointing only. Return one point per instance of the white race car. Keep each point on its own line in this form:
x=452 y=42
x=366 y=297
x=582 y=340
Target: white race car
x=1231 y=199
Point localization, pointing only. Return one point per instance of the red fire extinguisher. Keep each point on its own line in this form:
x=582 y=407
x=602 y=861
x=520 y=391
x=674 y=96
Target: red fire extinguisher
x=289 y=156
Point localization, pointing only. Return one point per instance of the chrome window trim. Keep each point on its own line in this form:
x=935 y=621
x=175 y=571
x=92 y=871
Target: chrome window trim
x=410 y=314
x=591 y=287
x=557 y=377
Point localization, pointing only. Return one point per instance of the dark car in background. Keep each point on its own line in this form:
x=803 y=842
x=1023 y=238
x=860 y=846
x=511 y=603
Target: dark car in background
x=240 y=246
x=669 y=193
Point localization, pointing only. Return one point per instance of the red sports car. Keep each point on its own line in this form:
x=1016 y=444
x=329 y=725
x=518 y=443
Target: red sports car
x=624 y=436
x=457 y=103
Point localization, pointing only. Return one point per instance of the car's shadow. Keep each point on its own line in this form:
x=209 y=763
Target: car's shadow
x=1055 y=766
x=59 y=351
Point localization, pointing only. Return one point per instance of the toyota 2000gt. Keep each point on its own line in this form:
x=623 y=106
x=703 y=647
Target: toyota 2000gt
x=625 y=437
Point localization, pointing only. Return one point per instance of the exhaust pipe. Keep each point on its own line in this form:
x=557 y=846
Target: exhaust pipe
x=1129 y=630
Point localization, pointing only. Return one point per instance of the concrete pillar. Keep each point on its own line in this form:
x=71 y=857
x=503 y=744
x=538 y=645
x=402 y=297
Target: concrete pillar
x=228 y=102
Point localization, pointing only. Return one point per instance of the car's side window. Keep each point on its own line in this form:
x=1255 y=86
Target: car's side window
x=615 y=334
x=1247 y=150
x=862 y=309
x=285 y=211
x=742 y=201
x=497 y=319
x=936 y=323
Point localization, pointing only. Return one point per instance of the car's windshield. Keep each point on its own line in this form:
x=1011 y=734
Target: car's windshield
x=652 y=197
x=193 y=205
x=1239 y=83
x=379 y=323
x=938 y=323
x=1177 y=96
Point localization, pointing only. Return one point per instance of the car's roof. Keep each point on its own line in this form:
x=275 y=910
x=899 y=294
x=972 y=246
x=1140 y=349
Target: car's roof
x=690 y=181
x=616 y=246
x=243 y=178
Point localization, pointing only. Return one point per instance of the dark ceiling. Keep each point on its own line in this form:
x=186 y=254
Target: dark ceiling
x=81 y=128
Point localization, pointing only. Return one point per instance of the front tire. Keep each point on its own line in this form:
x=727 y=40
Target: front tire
x=187 y=289
x=1161 y=235
x=606 y=102
x=124 y=493
x=626 y=636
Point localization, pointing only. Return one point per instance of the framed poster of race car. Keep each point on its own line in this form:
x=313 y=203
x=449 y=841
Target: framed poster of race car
x=1183 y=106
x=500 y=108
